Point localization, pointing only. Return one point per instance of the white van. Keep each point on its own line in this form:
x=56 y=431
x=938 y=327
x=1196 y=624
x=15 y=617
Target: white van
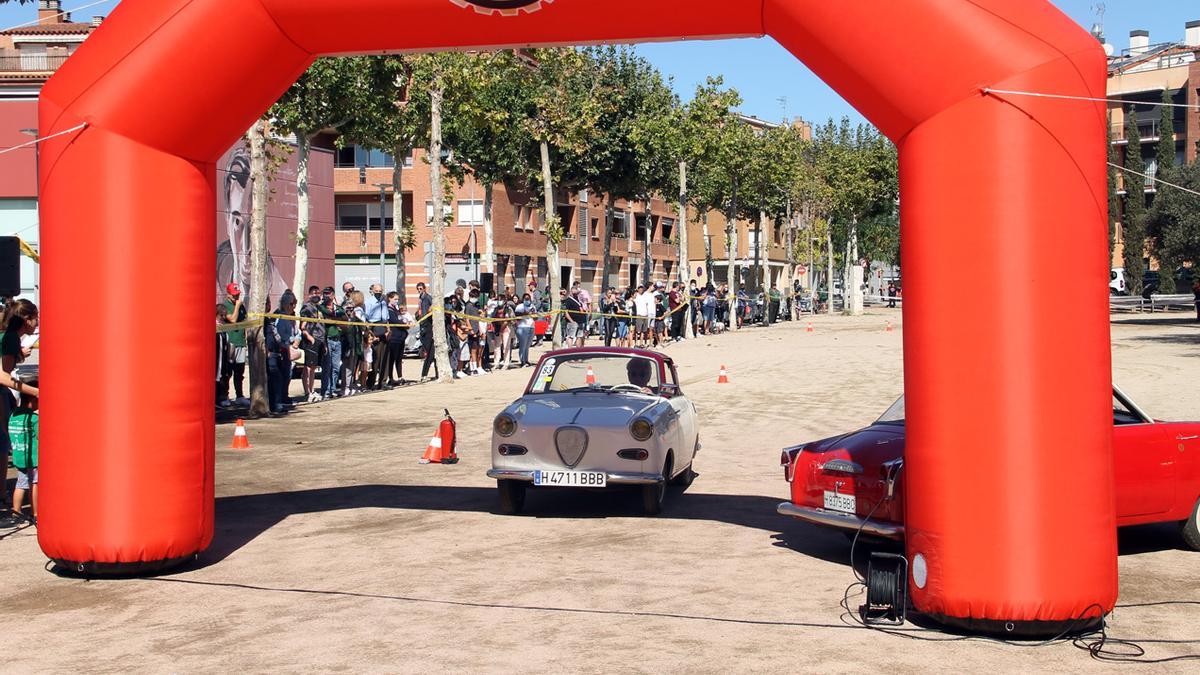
x=1116 y=281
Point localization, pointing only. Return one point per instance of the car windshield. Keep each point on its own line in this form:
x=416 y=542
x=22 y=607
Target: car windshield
x=619 y=372
x=1122 y=413
x=894 y=414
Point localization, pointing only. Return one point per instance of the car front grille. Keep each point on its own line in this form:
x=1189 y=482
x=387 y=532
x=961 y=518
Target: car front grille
x=571 y=444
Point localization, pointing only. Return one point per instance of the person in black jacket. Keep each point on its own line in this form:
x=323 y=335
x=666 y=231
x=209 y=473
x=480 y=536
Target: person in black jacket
x=426 y=332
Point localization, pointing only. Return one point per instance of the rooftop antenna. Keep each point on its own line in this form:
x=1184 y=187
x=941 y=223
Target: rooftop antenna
x=783 y=101
x=1098 y=27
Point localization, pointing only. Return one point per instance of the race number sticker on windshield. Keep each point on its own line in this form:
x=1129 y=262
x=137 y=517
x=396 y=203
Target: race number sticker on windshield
x=545 y=376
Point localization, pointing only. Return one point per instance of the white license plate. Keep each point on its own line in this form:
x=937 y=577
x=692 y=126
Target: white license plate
x=593 y=479
x=835 y=501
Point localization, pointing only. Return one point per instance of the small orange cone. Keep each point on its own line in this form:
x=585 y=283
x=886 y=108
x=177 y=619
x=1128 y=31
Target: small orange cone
x=240 y=440
x=591 y=376
x=810 y=328
x=723 y=378
x=441 y=447
x=889 y=328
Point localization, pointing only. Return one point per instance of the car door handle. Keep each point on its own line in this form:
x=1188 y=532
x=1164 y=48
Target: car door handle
x=1186 y=438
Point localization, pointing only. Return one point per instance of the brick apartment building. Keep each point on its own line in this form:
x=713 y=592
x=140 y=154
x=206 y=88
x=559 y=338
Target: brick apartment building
x=1141 y=72
x=644 y=246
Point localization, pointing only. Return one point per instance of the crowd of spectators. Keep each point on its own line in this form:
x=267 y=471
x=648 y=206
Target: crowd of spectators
x=343 y=345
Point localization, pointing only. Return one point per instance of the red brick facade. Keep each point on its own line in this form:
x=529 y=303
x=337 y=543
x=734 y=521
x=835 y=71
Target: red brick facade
x=520 y=245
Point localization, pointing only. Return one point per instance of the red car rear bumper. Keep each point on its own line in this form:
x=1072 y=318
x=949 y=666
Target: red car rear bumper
x=842 y=521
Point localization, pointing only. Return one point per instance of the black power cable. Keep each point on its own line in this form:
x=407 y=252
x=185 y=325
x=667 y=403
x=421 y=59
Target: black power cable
x=1093 y=639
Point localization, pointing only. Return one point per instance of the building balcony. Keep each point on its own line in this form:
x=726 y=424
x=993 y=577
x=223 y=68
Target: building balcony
x=30 y=64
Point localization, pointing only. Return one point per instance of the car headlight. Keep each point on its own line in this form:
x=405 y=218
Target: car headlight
x=641 y=429
x=505 y=425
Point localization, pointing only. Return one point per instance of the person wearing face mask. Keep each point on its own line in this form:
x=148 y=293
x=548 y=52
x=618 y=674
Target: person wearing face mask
x=524 y=312
x=376 y=310
x=312 y=344
x=331 y=365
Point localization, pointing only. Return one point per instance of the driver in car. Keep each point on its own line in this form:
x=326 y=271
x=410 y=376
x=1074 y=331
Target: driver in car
x=639 y=372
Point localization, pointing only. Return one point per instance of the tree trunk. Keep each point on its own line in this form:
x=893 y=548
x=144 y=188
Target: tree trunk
x=732 y=273
x=829 y=280
x=708 y=256
x=303 y=213
x=646 y=237
x=489 y=255
x=609 y=218
x=441 y=345
x=399 y=227
x=685 y=263
x=552 y=271
x=854 y=277
x=631 y=239
x=258 y=298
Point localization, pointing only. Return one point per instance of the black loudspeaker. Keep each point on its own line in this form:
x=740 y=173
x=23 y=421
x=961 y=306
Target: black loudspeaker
x=10 y=267
x=487 y=282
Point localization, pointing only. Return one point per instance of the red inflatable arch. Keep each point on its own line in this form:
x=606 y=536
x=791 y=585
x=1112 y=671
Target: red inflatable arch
x=1010 y=498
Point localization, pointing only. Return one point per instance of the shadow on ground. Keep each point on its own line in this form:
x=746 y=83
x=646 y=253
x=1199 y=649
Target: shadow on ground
x=239 y=520
x=242 y=519
x=1159 y=320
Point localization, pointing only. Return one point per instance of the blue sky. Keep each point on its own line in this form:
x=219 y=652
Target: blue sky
x=764 y=73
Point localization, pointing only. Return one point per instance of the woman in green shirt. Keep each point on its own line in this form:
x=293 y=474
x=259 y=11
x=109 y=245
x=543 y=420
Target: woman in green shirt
x=20 y=319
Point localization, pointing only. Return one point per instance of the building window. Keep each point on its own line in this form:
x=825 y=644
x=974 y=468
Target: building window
x=447 y=211
x=596 y=228
x=470 y=212
x=582 y=229
x=34 y=57
x=639 y=228
x=363 y=216
x=353 y=156
x=668 y=228
x=618 y=226
x=584 y=197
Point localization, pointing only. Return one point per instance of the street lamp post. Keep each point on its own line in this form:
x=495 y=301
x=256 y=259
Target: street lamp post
x=382 y=241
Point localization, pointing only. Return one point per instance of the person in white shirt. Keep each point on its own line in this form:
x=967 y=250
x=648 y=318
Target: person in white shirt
x=645 y=315
x=525 y=311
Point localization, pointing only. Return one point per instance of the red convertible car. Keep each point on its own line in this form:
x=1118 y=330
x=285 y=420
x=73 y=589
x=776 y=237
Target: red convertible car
x=837 y=482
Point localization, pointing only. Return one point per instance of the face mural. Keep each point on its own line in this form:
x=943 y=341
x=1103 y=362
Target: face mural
x=505 y=7
x=234 y=201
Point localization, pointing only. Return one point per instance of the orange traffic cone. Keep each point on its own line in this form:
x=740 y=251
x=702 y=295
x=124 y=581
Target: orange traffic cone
x=591 y=376
x=441 y=447
x=240 y=440
x=723 y=378
x=889 y=328
x=810 y=328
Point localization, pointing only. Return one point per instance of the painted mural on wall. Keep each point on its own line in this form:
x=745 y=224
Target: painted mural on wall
x=234 y=202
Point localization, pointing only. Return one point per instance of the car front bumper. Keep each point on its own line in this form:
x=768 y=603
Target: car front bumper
x=614 y=478
x=841 y=521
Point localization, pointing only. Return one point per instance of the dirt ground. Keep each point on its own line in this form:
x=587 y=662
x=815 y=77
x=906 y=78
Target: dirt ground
x=336 y=551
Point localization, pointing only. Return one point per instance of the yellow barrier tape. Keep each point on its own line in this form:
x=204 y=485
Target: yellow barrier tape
x=28 y=251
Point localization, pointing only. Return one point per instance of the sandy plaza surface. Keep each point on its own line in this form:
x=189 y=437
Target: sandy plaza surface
x=336 y=551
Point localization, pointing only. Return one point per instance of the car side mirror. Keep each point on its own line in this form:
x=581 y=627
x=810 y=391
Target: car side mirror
x=668 y=390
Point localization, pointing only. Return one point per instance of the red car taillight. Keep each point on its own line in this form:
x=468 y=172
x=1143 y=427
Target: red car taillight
x=787 y=459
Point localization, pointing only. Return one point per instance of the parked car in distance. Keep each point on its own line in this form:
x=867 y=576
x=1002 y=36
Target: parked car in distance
x=837 y=482
x=595 y=417
x=1116 y=281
